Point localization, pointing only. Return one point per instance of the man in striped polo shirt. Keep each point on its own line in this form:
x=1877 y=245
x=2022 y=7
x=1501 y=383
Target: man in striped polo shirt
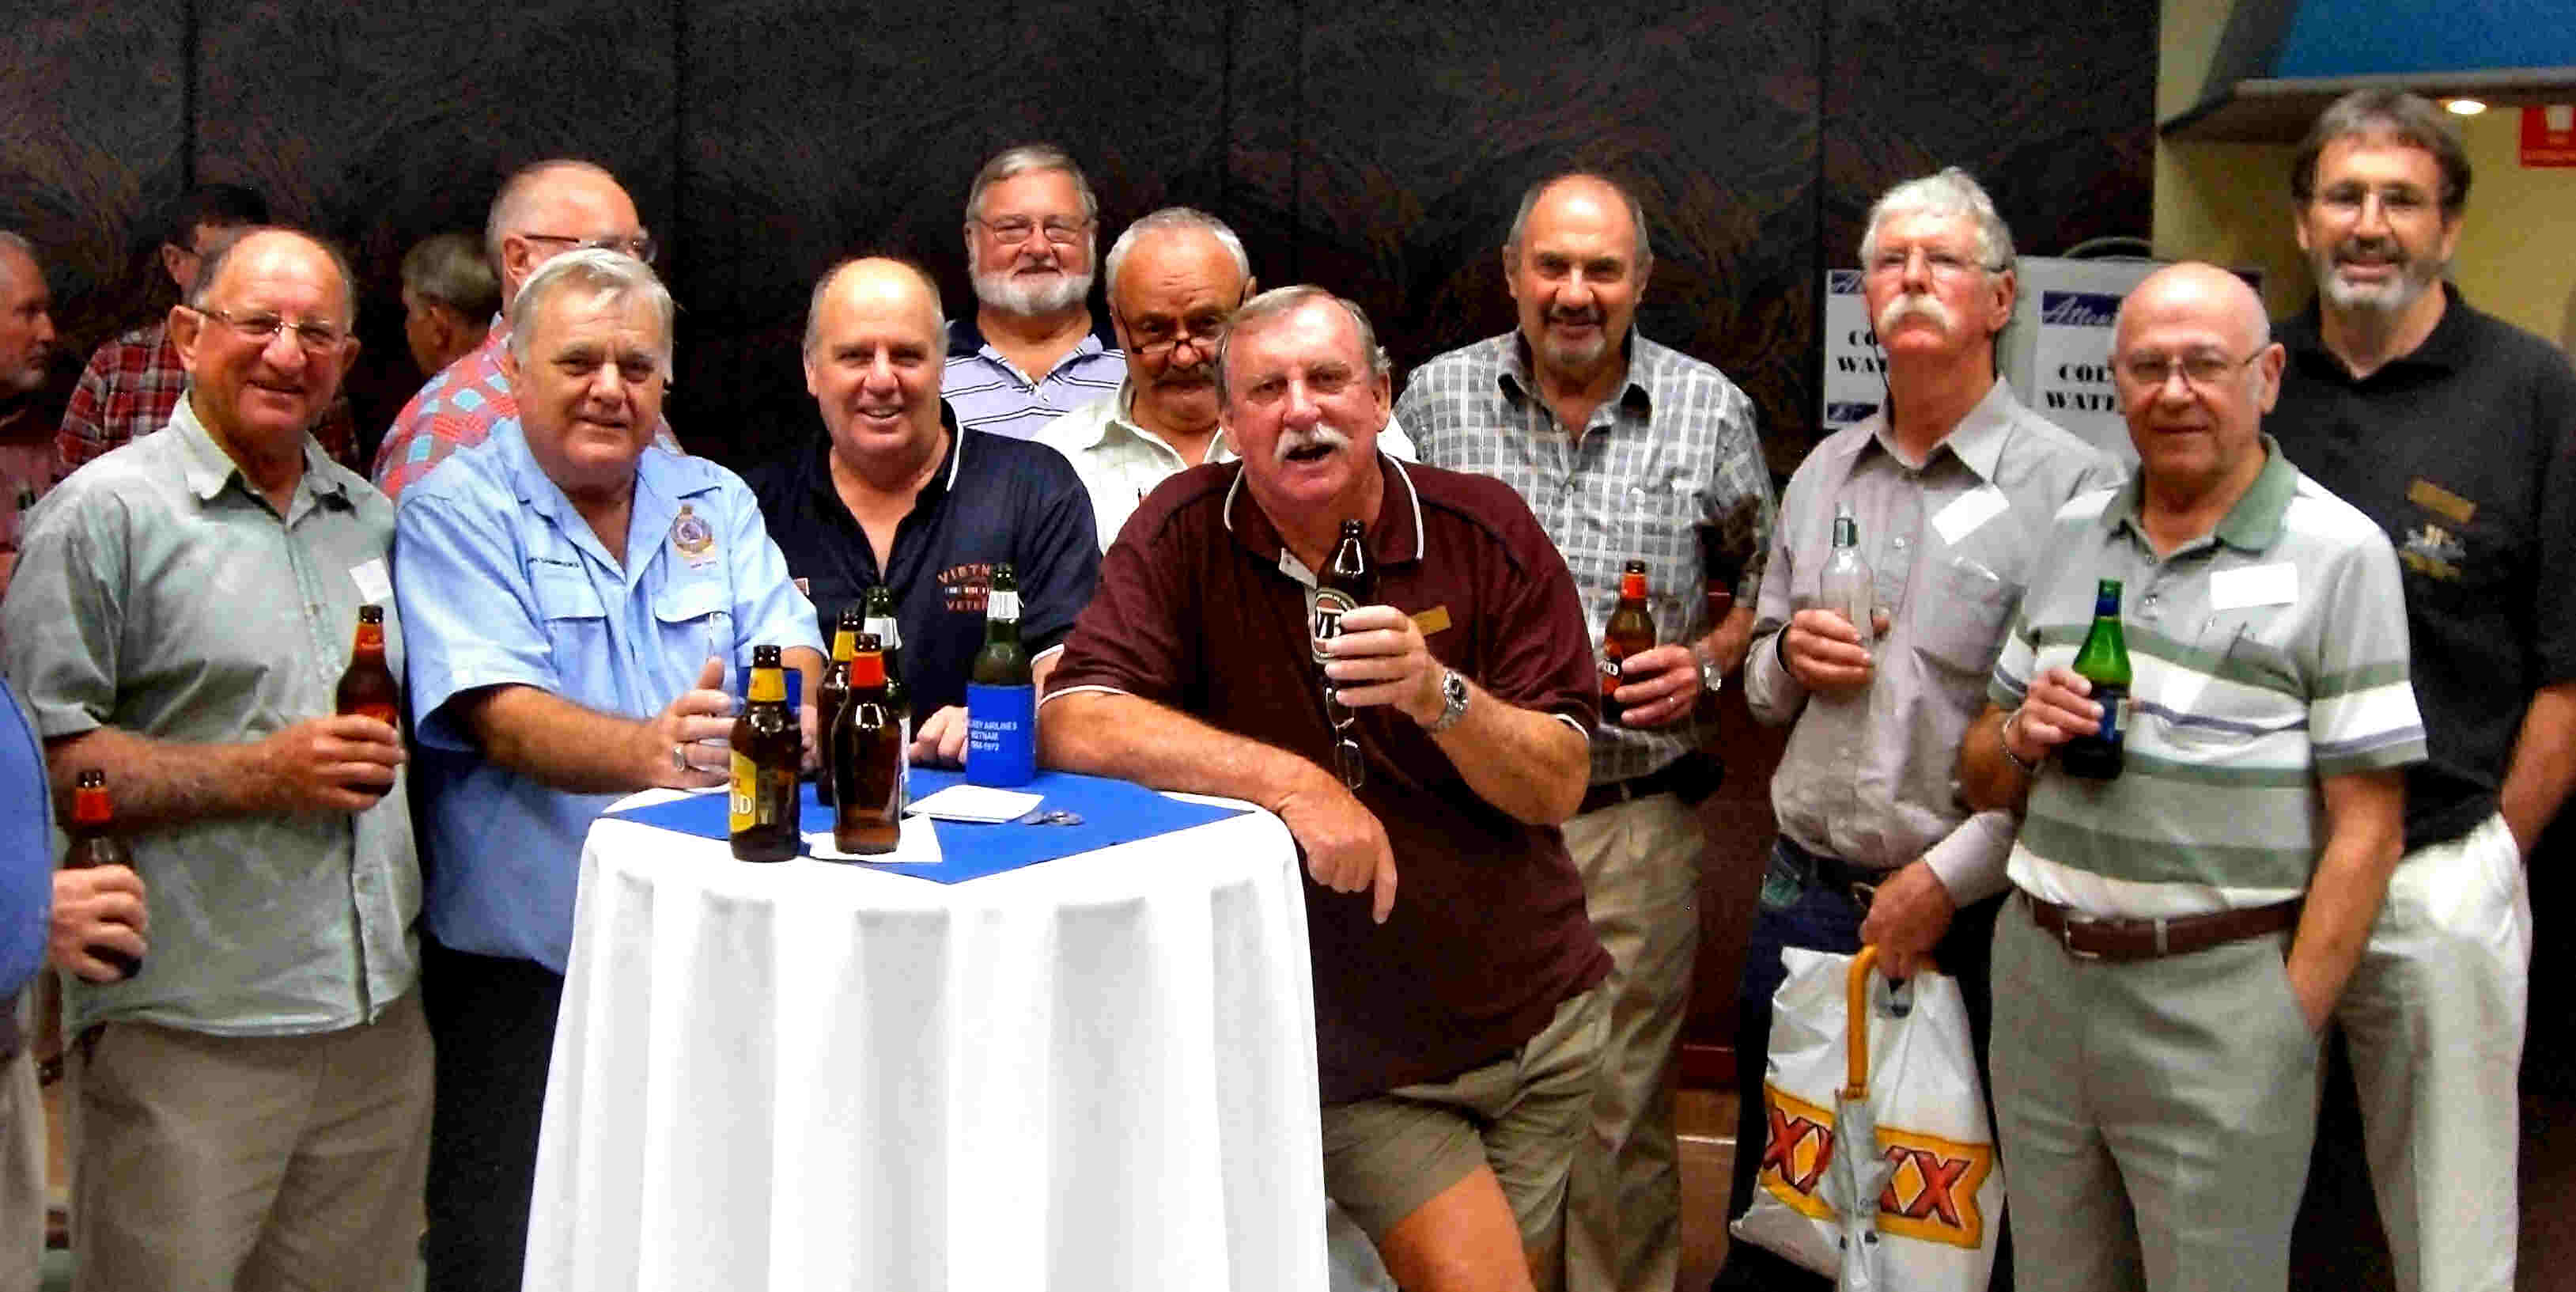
x=2183 y=930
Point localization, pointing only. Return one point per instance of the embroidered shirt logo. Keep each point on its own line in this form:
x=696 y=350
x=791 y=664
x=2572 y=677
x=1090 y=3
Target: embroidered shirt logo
x=2433 y=552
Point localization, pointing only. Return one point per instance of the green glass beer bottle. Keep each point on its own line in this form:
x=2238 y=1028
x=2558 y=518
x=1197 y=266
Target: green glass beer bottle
x=2103 y=661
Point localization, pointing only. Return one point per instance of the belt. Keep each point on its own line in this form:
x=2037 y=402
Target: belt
x=2087 y=938
x=1692 y=776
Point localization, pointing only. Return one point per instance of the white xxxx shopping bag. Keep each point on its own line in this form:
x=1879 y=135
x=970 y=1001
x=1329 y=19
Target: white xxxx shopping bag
x=1928 y=1159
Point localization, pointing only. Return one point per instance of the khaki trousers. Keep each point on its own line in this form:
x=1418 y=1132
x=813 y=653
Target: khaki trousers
x=22 y=1166
x=1640 y=867
x=209 y=1163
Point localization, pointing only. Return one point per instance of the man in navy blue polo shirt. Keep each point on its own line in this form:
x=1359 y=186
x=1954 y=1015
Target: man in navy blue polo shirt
x=896 y=493
x=2452 y=430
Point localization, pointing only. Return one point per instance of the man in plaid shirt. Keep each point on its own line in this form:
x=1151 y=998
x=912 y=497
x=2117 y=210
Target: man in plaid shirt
x=541 y=212
x=133 y=382
x=1624 y=449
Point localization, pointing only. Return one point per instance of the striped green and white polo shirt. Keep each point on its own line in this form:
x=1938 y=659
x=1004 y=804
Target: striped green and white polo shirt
x=2265 y=656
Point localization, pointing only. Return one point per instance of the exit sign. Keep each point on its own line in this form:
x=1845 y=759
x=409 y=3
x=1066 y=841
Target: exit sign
x=2549 y=135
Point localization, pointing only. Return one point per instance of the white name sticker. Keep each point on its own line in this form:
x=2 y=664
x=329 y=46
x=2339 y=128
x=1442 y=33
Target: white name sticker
x=374 y=585
x=2254 y=585
x=1967 y=511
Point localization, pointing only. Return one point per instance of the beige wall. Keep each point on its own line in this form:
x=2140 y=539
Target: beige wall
x=2230 y=202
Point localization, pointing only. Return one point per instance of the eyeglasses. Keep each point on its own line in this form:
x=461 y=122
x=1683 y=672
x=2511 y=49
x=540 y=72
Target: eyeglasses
x=2200 y=370
x=1016 y=228
x=1943 y=264
x=641 y=246
x=316 y=338
x=1154 y=338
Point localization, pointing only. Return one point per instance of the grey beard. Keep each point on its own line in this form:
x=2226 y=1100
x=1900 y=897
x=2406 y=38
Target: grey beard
x=1029 y=299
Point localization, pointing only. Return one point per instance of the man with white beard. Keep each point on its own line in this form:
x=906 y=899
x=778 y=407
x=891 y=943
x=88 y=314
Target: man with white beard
x=2450 y=428
x=1032 y=237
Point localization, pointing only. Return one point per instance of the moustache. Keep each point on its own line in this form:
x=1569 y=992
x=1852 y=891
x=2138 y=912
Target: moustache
x=1920 y=304
x=1295 y=441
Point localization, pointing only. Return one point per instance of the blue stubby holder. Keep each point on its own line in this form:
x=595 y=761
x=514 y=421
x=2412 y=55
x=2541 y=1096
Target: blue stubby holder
x=1001 y=734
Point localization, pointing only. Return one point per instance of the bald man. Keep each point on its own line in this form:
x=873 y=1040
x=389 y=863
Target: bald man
x=252 y=1108
x=894 y=492
x=2180 y=933
x=541 y=212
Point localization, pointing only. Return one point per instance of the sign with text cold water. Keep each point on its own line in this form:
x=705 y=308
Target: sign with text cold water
x=1855 y=369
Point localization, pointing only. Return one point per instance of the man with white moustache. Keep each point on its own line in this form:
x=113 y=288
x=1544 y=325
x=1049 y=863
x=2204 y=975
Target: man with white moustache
x=1030 y=353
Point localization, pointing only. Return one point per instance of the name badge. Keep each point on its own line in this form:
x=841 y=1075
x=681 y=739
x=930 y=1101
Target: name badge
x=1432 y=620
x=2440 y=501
x=1965 y=513
x=2254 y=585
x=374 y=585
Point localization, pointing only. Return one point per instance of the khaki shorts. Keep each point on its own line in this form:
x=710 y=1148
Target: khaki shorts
x=1523 y=1114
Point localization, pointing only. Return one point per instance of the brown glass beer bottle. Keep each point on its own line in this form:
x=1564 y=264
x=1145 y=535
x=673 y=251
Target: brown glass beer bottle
x=767 y=749
x=93 y=845
x=831 y=695
x=1631 y=631
x=867 y=760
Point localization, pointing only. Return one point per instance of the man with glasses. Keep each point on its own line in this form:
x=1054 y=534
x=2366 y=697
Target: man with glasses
x=2452 y=429
x=1625 y=449
x=1030 y=353
x=2180 y=932
x=1953 y=484
x=133 y=381
x=541 y=212
x=895 y=492
x=1174 y=277
x=251 y=1108
x=1456 y=1021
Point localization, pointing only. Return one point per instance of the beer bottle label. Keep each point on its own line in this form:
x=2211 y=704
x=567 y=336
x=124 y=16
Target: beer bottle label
x=1330 y=605
x=1001 y=734
x=744 y=800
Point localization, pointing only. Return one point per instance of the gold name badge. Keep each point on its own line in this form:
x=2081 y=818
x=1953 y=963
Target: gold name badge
x=1432 y=620
x=2434 y=498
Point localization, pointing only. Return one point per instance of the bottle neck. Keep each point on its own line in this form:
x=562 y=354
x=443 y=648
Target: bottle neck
x=845 y=644
x=1632 y=587
x=867 y=669
x=370 y=639
x=90 y=807
x=768 y=686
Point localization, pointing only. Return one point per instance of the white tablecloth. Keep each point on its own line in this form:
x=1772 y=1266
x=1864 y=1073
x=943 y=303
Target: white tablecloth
x=1094 y=1073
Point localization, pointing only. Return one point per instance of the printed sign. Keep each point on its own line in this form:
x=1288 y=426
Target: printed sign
x=1855 y=368
x=2549 y=135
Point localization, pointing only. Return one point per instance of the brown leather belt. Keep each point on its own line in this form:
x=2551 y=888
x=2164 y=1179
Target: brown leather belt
x=2087 y=938
x=1692 y=776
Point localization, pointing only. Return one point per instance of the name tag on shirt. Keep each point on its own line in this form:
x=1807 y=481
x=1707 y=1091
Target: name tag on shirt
x=1967 y=511
x=2254 y=585
x=374 y=585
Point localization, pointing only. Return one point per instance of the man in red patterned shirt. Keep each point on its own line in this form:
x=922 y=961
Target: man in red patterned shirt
x=134 y=380
x=544 y=210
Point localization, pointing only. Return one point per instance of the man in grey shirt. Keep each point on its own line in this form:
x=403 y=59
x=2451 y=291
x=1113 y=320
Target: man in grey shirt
x=1952 y=484
x=252 y=1107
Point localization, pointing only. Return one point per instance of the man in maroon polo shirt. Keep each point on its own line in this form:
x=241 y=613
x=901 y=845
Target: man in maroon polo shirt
x=1456 y=1024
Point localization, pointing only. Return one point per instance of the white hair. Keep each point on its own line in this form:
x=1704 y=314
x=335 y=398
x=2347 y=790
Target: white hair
x=602 y=273
x=1175 y=218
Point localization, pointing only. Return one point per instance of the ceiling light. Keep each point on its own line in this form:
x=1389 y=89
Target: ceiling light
x=2464 y=107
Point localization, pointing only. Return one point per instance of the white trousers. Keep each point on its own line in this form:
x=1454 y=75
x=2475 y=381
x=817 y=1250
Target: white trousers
x=2433 y=1018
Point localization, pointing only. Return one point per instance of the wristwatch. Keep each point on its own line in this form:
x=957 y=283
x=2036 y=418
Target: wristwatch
x=1453 y=702
x=1711 y=677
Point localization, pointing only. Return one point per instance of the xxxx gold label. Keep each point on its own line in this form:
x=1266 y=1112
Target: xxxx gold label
x=1931 y=1195
x=744 y=801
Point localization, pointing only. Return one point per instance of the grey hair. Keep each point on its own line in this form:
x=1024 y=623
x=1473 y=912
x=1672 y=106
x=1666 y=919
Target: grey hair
x=451 y=269
x=823 y=287
x=1173 y=217
x=611 y=275
x=1020 y=161
x=519 y=192
x=2386 y=113
x=1281 y=301
x=1529 y=202
x=1948 y=192
x=11 y=240
x=212 y=271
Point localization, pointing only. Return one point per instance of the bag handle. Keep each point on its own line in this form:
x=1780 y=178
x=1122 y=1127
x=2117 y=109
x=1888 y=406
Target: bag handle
x=1856 y=1024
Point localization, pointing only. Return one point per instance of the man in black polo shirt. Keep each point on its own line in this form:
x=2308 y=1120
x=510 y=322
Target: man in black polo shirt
x=895 y=493
x=2452 y=430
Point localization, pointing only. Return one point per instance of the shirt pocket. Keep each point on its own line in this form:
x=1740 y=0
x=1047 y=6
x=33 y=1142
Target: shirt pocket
x=576 y=620
x=1959 y=615
x=2236 y=689
x=695 y=619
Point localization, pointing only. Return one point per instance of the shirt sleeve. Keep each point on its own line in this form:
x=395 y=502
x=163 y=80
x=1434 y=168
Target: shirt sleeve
x=1745 y=508
x=62 y=621
x=84 y=432
x=767 y=608
x=2361 y=707
x=1538 y=652
x=1773 y=695
x=1139 y=635
x=1055 y=551
x=469 y=611
x=1970 y=860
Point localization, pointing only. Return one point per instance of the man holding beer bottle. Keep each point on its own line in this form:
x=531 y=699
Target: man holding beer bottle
x=176 y=622
x=1456 y=1021
x=577 y=597
x=1903 y=544
x=1626 y=450
x=895 y=493
x=2186 y=915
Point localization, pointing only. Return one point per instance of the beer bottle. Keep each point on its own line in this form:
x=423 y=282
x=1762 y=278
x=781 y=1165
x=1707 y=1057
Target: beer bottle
x=830 y=696
x=881 y=621
x=93 y=845
x=2103 y=660
x=367 y=687
x=1349 y=581
x=1001 y=697
x=767 y=748
x=868 y=754
x=1631 y=631
x=1847 y=587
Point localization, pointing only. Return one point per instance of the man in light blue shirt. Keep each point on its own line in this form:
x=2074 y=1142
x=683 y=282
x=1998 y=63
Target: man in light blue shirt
x=581 y=594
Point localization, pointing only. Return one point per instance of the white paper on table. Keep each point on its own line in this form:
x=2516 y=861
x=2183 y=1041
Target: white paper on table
x=976 y=803
x=917 y=845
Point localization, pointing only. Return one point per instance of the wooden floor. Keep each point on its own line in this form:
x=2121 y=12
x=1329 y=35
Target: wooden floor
x=1706 y=1120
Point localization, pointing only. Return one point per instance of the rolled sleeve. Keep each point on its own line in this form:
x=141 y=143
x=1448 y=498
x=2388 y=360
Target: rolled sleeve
x=2361 y=708
x=1970 y=859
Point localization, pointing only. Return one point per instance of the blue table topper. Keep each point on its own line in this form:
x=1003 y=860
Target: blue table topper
x=1113 y=812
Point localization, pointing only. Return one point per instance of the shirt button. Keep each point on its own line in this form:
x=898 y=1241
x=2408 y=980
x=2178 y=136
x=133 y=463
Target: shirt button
x=1900 y=542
